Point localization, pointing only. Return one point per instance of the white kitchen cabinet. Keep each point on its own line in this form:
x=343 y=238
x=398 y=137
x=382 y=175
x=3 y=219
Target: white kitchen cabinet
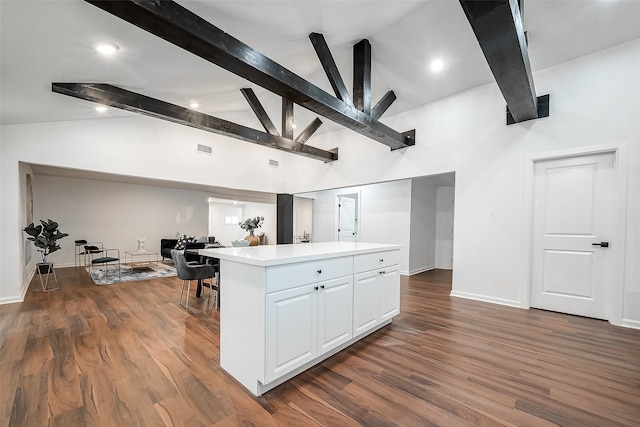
x=305 y=322
x=292 y=325
x=390 y=283
x=335 y=313
x=284 y=308
x=366 y=301
x=376 y=293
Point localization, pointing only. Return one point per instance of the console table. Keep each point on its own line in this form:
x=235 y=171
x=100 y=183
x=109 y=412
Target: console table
x=284 y=308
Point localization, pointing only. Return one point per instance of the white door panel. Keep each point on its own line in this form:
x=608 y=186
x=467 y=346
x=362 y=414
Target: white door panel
x=572 y=211
x=291 y=330
x=347 y=231
x=335 y=312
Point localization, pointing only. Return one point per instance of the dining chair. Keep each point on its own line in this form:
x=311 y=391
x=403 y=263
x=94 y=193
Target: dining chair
x=189 y=271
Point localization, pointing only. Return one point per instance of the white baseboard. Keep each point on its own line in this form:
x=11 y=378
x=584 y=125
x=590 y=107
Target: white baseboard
x=11 y=300
x=628 y=323
x=485 y=298
x=23 y=291
x=421 y=270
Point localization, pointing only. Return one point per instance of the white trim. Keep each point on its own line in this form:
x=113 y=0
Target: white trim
x=628 y=323
x=485 y=298
x=619 y=150
x=420 y=270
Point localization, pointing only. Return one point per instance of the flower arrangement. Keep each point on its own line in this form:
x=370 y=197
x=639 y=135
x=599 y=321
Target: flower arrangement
x=251 y=224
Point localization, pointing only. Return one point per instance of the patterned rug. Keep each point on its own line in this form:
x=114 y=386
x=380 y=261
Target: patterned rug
x=127 y=274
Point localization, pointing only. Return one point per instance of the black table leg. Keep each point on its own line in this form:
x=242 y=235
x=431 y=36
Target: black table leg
x=199 y=288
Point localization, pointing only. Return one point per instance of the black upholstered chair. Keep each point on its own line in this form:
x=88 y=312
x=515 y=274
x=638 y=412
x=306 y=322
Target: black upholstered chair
x=189 y=271
x=106 y=259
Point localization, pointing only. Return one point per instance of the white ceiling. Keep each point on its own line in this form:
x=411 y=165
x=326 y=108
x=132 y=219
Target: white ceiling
x=51 y=41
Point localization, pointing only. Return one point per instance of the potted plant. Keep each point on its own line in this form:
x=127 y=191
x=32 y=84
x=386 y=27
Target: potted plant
x=45 y=237
x=251 y=224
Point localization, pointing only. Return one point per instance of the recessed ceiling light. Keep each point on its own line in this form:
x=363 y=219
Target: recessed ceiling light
x=106 y=48
x=436 y=65
x=293 y=126
x=194 y=105
x=101 y=108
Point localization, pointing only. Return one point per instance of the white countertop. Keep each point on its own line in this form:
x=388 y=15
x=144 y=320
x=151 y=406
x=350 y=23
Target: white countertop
x=267 y=255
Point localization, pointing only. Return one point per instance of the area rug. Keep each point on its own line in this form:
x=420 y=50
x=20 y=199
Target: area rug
x=127 y=274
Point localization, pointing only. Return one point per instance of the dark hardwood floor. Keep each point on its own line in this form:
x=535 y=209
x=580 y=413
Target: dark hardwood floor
x=128 y=355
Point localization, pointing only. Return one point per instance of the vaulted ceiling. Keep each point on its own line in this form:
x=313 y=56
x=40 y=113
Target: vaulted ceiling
x=51 y=41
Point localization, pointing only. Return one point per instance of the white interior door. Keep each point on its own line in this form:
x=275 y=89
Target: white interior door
x=347 y=228
x=572 y=223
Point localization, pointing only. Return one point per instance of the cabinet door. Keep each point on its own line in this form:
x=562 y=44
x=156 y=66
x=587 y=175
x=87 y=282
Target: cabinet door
x=335 y=312
x=390 y=284
x=291 y=330
x=366 y=301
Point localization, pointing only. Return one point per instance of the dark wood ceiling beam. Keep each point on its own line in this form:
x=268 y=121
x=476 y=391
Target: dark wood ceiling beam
x=308 y=131
x=362 y=76
x=287 y=118
x=383 y=105
x=499 y=30
x=330 y=67
x=259 y=110
x=174 y=23
x=137 y=103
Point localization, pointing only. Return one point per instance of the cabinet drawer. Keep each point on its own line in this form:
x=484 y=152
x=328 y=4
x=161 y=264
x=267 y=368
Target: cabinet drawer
x=280 y=277
x=375 y=260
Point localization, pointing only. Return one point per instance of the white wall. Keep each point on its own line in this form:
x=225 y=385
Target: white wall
x=269 y=212
x=422 y=247
x=383 y=220
x=593 y=101
x=444 y=227
x=223 y=232
x=384 y=215
x=116 y=214
x=302 y=217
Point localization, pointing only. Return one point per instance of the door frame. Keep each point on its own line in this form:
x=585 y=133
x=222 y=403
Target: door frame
x=619 y=149
x=336 y=220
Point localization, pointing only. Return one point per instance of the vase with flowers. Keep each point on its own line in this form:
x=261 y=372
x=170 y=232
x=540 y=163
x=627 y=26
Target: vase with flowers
x=250 y=224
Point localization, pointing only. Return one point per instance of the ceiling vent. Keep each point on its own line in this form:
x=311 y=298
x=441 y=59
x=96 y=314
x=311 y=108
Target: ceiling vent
x=204 y=149
x=274 y=163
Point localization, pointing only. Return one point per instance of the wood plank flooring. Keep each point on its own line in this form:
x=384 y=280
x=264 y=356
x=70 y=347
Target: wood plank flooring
x=127 y=354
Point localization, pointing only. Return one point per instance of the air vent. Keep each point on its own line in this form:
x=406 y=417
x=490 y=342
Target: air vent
x=274 y=163
x=204 y=149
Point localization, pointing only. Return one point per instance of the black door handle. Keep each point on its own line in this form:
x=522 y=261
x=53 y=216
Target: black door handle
x=601 y=244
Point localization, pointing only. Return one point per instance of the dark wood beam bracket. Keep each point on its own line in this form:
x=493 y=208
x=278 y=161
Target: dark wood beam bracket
x=259 y=110
x=543 y=109
x=172 y=22
x=308 y=131
x=131 y=101
x=499 y=29
x=385 y=102
x=287 y=118
x=330 y=68
x=362 y=76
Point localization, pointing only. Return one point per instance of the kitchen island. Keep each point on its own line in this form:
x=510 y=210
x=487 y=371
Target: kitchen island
x=284 y=308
